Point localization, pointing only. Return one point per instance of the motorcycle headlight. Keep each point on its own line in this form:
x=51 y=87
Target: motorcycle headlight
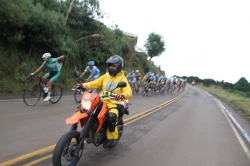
x=86 y=104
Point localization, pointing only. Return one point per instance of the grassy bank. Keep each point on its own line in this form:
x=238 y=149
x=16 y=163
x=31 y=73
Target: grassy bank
x=236 y=101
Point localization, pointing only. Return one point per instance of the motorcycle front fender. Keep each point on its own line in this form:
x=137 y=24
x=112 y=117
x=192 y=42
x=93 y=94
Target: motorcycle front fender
x=78 y=116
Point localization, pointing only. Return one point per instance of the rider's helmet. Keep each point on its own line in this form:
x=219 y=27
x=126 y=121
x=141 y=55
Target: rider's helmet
x=91 y=63
x=46 y=55
x=137 y=71
x=156 y=75
x=149 y=73
x=131 y=71
x=115 y=60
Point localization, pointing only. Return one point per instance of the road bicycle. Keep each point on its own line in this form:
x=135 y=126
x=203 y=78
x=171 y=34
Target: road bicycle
x=172 y=89
x=145 y=89
x=33 y=93
x=135 y=89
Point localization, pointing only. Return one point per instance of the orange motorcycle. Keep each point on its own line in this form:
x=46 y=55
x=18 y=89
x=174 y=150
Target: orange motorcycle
x=92 y=117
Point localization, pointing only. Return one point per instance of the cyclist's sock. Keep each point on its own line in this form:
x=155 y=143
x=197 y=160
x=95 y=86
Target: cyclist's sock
x=48 y=93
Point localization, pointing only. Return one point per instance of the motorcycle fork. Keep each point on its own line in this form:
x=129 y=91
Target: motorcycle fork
x=74 y=127
x=83 y=134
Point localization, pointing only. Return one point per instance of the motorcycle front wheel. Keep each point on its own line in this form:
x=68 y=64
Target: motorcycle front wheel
x=64 y=152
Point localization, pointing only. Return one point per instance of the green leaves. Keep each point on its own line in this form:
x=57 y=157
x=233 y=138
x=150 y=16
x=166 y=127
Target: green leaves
x=242 y=85
x=154 y=45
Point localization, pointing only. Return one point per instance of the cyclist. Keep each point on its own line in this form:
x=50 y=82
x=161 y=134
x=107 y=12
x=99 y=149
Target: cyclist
x=131 y=78
x=147 y=79
x=156 y=79
x=180 y=84
x=94 y=73
x=138 y=78
x=107 y=82
x=169 y=82
x=161 y=82
x=50 y=77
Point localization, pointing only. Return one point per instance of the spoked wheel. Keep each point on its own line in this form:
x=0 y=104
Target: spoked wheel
x=133 y=90
x=64 y=152
x=137 y=89
x=120 y=130
x=153 y=91
x=78 y=96
x=144 y=91
x=56 y=94
x=32 y=95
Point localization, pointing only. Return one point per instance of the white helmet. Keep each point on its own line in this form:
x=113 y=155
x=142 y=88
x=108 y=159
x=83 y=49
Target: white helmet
x=46 y=55
x=137 y=71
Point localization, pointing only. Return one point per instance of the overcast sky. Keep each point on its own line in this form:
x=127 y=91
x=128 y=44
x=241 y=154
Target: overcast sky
x=203 y=38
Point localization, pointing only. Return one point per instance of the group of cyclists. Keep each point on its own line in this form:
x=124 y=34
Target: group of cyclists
x=154 y=83
x=150 y=82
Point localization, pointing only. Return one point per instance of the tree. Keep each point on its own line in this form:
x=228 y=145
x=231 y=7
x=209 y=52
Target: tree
x=208 y=82
x=241 y=85
x=154 y=45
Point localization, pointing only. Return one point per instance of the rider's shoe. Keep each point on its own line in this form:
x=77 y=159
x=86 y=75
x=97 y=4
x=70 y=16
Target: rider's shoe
x=114 y=142
x=45 y=95
x=47 y=98
x=126 y=112
x=107 y=143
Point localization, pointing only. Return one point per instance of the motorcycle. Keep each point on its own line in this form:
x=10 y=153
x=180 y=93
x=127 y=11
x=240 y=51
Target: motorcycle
x=92 y=117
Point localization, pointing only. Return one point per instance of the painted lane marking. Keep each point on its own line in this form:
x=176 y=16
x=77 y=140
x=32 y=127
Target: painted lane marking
x=46 y=149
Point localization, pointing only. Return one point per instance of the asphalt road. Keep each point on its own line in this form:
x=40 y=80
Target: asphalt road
x=189 y=130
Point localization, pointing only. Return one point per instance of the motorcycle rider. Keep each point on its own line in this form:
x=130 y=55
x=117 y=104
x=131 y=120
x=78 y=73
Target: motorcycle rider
x=107 y=82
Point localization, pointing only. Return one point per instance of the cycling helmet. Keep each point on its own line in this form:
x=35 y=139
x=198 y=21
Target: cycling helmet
x=137 y=71
x=46 y=55
x=91 y=63
x=149 y=73
x=115 y=60
x=156 y=75
x=131 y=71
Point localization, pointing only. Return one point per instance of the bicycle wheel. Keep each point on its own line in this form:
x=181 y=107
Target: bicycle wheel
x=32 y=94
x=78 y=96
x=56 y=94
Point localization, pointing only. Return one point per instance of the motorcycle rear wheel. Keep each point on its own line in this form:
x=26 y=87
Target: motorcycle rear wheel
x=64 y=151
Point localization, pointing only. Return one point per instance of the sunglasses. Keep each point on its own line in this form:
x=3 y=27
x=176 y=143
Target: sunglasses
x=114 y=65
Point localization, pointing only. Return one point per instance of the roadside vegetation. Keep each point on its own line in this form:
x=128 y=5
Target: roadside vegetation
x=30 y=28
x=238 y=100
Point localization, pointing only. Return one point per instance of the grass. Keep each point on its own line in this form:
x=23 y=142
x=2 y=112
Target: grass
x=235 y=100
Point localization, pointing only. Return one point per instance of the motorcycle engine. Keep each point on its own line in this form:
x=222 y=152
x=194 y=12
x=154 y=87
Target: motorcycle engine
x=98 y=138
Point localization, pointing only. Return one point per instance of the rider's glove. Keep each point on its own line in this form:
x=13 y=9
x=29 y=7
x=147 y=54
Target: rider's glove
x=119 y=97
x=80 y=87
x=31 y=74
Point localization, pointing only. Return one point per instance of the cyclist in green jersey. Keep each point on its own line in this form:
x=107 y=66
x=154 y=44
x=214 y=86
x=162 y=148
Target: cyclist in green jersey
x=50 y=77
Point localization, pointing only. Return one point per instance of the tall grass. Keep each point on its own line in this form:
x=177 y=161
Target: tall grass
x=238 y=100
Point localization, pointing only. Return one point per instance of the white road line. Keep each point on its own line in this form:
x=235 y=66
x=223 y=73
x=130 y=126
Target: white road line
x=243 y=132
